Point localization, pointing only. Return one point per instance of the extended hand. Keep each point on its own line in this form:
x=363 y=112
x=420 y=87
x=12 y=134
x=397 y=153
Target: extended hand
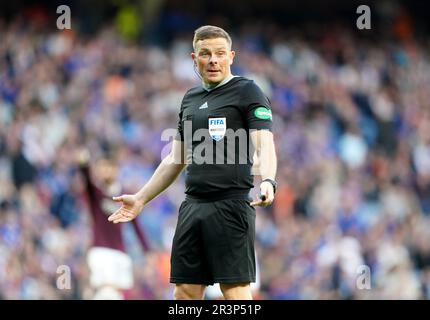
x=129 y=210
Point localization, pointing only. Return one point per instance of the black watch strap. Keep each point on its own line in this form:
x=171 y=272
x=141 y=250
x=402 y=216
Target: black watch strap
x=273 y=183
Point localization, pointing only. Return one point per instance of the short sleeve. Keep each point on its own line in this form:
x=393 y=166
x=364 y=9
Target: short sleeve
x=256 y=107
x=180 y=133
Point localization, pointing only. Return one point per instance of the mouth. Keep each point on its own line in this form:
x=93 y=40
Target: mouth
x=212 y=72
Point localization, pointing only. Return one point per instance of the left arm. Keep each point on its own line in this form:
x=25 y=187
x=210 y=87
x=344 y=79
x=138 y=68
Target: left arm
x=264 y=145
x=259 y=121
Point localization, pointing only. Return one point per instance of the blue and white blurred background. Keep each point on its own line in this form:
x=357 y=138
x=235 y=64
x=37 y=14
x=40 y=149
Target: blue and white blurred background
x=351 y=119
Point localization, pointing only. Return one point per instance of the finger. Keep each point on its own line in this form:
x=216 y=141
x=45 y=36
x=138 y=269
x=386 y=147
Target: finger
x=121 y=215
x=122 y=219
x=264 y=203
x=267 y=200
x=122 y=212
x=118 y=199
x=256 y=203
x=116 y=214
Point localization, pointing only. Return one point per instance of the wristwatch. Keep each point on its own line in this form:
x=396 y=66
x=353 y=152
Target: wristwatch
x=273 y=183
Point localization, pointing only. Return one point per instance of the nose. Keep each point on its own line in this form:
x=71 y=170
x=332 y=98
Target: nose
x=213 y=59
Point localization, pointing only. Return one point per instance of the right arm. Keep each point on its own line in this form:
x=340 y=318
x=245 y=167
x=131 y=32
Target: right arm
x=83 y=162
x=166 y=173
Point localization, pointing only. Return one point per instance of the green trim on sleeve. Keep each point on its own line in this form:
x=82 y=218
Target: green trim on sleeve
x=263 y=113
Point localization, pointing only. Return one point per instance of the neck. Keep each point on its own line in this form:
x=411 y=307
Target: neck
x=210 y=86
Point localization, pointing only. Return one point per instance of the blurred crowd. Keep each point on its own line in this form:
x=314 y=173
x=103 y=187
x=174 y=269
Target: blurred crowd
x=351 y=219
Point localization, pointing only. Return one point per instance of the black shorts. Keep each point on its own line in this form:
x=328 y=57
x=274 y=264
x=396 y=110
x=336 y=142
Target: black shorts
x=214 y=243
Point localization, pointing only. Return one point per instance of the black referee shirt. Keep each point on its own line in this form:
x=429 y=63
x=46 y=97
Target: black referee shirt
x=211 y=123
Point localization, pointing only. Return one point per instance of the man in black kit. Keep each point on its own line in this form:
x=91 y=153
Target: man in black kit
x=214 y=238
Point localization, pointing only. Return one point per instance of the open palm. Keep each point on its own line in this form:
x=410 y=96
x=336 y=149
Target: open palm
x=129 y=210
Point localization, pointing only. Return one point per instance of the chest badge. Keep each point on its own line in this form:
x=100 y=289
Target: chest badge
x=217 y=127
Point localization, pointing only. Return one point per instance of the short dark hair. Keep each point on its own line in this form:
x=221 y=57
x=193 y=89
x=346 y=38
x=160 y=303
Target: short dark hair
x=210 y=32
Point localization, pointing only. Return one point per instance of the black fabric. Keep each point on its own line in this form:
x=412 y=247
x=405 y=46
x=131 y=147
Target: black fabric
x=214 y=243
x=237 y=102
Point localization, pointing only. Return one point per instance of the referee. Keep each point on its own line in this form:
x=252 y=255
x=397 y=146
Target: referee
x=214 y=237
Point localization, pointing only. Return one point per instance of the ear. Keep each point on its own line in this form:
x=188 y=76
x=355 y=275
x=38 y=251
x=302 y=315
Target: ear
x=193 y=56
x=232 y=54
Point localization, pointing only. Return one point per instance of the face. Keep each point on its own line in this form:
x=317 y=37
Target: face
x=106 y=171
x=213 y=58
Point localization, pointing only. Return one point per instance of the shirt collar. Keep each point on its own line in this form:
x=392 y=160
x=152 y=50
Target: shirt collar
x=209 y=88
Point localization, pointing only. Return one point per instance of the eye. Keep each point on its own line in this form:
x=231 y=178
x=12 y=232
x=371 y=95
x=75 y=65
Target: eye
x=204 y=54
